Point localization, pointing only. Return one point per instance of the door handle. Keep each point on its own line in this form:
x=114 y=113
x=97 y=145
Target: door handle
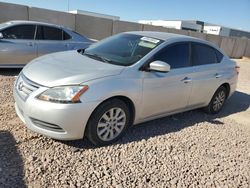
x=30 y=43
x=217 y=75
x=186 y=80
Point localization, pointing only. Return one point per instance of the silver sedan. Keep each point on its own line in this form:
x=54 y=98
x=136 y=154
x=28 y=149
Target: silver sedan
x=126 y=79
x=22 y=41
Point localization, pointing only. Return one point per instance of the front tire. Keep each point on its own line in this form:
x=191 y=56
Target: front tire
x=217 y=101
x=108 y=122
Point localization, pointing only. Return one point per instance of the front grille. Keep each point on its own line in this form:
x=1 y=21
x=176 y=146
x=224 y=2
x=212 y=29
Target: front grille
x=25 y=87
x=47 y=126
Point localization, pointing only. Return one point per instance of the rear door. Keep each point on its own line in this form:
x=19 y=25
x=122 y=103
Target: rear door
x=18 y=46
x=50 y=39
x=168 y=92
x=208 y=74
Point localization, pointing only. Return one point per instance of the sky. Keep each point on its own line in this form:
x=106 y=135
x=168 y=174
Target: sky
x=230 y=13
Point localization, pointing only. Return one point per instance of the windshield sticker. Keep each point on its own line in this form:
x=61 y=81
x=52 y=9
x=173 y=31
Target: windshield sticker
x=148 y=39
x=147 y=44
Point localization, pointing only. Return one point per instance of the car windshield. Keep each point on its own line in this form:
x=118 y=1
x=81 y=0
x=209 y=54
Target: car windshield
x=122 y=49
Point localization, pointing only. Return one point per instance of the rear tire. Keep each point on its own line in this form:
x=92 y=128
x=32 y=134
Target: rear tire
x=108 y=122
x=217 y=101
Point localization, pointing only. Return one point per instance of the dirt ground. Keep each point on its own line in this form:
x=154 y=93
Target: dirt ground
x=188 y=149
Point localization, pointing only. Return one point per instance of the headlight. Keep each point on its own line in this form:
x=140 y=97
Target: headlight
x=65 y=94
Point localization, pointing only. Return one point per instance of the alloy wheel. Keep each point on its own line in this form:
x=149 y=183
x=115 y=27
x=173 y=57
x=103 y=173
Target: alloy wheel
x=111 y=124
x=219 y=101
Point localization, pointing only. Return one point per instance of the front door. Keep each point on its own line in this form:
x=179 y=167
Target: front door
x=18 y=46
x=168 y=92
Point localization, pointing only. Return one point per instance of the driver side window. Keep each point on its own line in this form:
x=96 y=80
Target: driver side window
x=19 y=32
x=176 y=55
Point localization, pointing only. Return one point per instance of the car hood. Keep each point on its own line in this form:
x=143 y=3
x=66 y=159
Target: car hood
x=67 y=68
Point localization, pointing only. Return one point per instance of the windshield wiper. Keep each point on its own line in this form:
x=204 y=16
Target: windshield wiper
x=81 y=51
x=96 y=56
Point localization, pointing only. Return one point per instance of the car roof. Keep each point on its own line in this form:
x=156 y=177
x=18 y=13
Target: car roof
x=12 y=22
x=167 y=36
x=160 y=35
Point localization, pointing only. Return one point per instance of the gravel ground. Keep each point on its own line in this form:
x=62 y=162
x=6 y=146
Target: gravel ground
x=191 y=149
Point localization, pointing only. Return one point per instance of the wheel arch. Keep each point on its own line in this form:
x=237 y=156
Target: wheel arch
x=208 y=108
x=126 y=100
x=227 y=86
x=130 y=105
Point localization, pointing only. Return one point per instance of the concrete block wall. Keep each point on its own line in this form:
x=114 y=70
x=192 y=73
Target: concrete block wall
x=239 y=48
x=99 y=28
x=13 y=12
x=93 y=27
x=197 y=35
x=247 y=51
x=177 y=31
x=215 y=39
x=227 y=45
x=154 y=28
x=51 y=16
x=122 y=26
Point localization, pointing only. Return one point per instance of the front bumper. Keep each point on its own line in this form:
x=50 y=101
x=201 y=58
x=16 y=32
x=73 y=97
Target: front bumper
x=58 y=121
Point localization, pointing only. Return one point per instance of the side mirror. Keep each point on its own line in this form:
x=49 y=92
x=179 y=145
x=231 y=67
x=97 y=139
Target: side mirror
x=159 y=66
x=1 y=35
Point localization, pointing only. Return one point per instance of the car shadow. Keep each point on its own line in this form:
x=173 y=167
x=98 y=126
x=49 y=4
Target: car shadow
x=239 y=102
x=11 y=163
x=10 y=72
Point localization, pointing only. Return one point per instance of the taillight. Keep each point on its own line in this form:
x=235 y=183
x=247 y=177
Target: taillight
x=237 y=68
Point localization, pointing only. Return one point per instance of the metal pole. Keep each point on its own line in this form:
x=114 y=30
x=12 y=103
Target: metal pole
x=68 y=5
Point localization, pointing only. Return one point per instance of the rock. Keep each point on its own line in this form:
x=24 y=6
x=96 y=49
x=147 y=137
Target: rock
x=185 y=150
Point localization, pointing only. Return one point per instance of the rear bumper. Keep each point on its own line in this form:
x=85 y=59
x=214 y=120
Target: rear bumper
x=58 y=121
x=232 y=89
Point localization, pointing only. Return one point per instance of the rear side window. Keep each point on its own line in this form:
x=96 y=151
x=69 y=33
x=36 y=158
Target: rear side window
x=204 y=55
x=49 y=33
x=177 y=56
x=66 y=36
x=219 y=56
x=20 y=32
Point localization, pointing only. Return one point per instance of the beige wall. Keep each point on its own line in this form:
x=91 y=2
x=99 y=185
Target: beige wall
x=99 y=28
x=247 y=51
x=13 y=12
x=154 y=28
x=227 y=45
x=94 y=27
x=239 y=48
x=51 y=16
x=177 y=31
x=122 y=26
x=215 y=39
x=197 y=35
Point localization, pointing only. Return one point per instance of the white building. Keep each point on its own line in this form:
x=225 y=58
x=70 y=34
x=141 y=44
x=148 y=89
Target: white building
x=198 y=26
x=175 y=24
x=216 y=30
x=95 y=14
x=224 y=31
